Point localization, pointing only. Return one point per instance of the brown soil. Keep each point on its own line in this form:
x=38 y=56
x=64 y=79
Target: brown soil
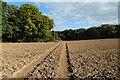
x=76 y=59
x=16 y=56
x=63 y=72
x=94 y=58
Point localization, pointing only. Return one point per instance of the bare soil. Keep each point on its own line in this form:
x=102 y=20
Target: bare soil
x=15 y=56
x=63 y=72
x=94 y=58
x=65 y=59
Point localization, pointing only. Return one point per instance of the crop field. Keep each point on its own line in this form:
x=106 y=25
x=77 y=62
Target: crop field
x=64 y=59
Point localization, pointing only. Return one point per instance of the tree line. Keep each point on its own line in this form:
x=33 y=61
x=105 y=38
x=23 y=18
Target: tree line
x=100 y=32
x=25 y=24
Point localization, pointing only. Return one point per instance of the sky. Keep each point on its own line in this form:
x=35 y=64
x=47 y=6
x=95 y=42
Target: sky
x=75 y=15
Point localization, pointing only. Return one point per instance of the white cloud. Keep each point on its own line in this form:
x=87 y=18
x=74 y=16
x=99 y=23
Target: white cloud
x=87 y=12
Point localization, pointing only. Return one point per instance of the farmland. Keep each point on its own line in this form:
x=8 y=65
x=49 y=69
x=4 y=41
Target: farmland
x=17 y=55
x=64 y=59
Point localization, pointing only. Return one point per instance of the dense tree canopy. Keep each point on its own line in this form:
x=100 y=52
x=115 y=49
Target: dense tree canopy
x=25 y=23
x=101 y=32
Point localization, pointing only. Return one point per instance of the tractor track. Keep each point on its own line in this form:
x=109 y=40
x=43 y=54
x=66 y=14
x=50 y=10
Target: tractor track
x=49 y=66
x=57 y=57
x=26 y=69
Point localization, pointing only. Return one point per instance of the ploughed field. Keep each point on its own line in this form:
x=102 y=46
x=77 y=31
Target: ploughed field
x=65 y=59
x=94 y=58
x=17 y=55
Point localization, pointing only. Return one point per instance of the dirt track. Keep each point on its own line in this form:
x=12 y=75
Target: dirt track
x=78 y=59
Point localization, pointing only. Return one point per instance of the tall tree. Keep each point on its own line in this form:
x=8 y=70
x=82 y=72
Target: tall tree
x=25 y=23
